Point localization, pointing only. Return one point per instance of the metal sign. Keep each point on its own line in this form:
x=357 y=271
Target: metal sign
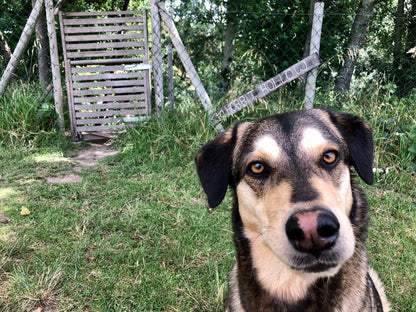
x=286 y=76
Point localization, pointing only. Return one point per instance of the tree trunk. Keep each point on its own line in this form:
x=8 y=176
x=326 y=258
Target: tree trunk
x=43 y=49
x=126 y=5
x=411 y=34
x=228 y=50
x=398 y=34
x=227 y=58
x=358 y=31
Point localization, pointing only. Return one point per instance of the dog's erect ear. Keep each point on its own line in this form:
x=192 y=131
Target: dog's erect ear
x=358 y=136
x=213 y=164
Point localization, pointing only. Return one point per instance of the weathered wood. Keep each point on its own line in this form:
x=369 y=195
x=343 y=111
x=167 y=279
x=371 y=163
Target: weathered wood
x=94 y=46
x=146 y=72
x=123 y=105
x=103 y=128
x=109 y=91
x=99 y=21
x=108 y=112
x=107 y=61
x=80 y=38
x=56 y=71
x=103 y=68
x=157 y=56
x=267 y=87
x=106 y=13
x=68 y=80
x=310 y=85
x=21 y=45
x=108 y=83
x=107 y=76
x=99 y=54
x=186 y=61
x=110 y=98
x=95 y=29
x=170 y=75
x=107 y=69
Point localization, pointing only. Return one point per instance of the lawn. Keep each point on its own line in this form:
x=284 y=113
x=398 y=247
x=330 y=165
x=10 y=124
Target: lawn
x=135 y=234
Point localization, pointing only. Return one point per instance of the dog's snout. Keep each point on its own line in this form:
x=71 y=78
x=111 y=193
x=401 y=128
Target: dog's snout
x=312 y=231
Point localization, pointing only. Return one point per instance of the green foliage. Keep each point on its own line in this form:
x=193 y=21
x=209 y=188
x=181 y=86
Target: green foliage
x=22 y=121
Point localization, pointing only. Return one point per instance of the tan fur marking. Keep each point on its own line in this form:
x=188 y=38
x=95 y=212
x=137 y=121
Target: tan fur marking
x=267 y=148
x=314 y=144
x=275 y=275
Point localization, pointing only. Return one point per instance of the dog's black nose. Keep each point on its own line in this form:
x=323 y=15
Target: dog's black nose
x=312 y=231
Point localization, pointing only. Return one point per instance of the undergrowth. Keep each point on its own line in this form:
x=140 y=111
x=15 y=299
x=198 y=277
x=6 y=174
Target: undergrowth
x=135 y=234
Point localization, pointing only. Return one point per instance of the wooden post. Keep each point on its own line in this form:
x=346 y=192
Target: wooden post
x=186 y=61
x=21 y=45
x=69 y=88
x=170 y=75
x=56 y=73
x=310 y=86
x=157 y=56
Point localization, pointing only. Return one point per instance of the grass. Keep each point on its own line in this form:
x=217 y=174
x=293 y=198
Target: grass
x=135 y=234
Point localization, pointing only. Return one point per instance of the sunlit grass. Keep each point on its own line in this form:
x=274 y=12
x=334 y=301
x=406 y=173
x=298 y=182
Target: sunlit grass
x=135 y=234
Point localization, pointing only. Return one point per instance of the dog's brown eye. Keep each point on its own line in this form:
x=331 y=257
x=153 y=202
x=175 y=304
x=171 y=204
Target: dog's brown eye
x=330 y=157
x=256 y=168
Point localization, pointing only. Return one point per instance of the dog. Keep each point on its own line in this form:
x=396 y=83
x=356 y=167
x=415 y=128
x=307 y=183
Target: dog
x=299 y=218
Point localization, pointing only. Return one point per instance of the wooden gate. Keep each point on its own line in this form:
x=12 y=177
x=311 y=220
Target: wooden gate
x=107 y=70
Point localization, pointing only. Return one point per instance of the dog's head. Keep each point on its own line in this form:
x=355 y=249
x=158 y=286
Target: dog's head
x=290 y=174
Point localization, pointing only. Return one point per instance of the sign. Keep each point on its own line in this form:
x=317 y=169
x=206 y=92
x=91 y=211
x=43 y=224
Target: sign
x=286 y=76
x=138 y=67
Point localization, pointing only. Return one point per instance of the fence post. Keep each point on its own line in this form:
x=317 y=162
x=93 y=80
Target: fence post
x=21 y=45
x=310 y=86
x=186 y=61
x=56 y=73
x=170 y=75
x=157 y=56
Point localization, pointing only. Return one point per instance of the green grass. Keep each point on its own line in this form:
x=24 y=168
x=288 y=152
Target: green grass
x=135 y=234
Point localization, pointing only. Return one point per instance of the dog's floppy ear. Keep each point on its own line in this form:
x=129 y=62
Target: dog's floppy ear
x=213 y=164
x=358 y=136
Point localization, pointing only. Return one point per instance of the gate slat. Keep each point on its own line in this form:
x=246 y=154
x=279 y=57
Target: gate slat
x=80 y=38
x=101 y=21
x=94 y=46
x=95 y=99
x=106 y=61
x=104 y=94
x=81 y=107
x=107 y=76
x=104 y=113
x=102 y=29
x=109 y=91
x=108 y=83
x=109 y=53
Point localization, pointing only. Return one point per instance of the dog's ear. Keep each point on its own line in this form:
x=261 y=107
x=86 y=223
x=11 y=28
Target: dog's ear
x=358 y=136
x=213 y=164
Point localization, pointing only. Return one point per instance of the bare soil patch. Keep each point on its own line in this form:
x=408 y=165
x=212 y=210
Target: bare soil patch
x=86 y=157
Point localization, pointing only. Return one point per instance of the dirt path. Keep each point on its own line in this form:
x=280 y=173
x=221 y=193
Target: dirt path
x=87 y=157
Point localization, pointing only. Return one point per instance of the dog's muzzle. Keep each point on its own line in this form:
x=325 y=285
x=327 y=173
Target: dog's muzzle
x=313 y=233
